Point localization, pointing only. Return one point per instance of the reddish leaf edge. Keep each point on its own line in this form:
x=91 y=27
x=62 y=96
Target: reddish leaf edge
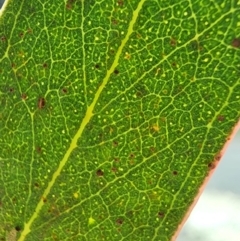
x=215 y=164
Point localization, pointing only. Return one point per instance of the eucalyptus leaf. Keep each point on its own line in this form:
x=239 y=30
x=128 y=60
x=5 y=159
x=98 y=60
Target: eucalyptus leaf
x=112 y=114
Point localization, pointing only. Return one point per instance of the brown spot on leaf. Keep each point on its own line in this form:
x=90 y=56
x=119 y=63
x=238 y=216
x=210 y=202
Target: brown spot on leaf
x=218 y=157
x=161 y=214
x=97 y=66
x=45 y=65
x=17 y=228
x=211 y=166
x=44 y=199
x=120 y=3
x=175 y=173
x=64 y=90
x=99 y=173
x=236 y=43
x=220 y=118
x=116 y=159
x=119 y=221
x=173 y=42
x=41 y=103
x=114 y=22
x=116 y=71
x=38 y=149
x=3 y=38
x=69 y=4
x=115 y=143
x=131 y=155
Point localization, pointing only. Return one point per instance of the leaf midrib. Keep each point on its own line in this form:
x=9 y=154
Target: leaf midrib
x=89 y=114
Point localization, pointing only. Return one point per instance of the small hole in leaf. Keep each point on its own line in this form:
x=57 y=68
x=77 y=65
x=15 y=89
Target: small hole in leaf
x=99 y=173
x=116 y=71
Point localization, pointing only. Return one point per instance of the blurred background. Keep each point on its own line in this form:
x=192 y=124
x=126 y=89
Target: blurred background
x=216 y=217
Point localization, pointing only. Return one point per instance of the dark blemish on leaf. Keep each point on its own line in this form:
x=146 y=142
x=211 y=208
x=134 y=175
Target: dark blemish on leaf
x=114 y=169
x=41 y=103
x=174 y=64
x=211 y=166
x=99 y=173
x=64 y=90
x=218 y=157
x=152 y=149
x=11 y=90
x=115 y=143
x=175 y=173
x=24 y=96
x=38 y=149
x=36 y=185
x=45 y=65
x=44 y=199
x=119 y=221
x=114 y=22
x=29 y=30
x=97 y=66
x=13 y=65
x=220 y=118
x=116 y=159
x=173 y=42
x=17 y=228
x=3 y=38
x=161 y=214
x=21 y=34
x=69 y=4
x=236 y=43
x=131 y=155
x=116 y=71
x=120 y=3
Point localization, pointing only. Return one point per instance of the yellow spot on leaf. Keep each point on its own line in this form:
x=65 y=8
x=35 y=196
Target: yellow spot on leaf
x=91 y=221
x=155 y=127
x=127 y=55
x=75 y=195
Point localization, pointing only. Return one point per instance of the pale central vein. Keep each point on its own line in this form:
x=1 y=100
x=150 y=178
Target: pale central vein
x=86 y=119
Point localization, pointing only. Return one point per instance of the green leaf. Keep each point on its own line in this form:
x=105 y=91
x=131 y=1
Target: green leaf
x=112 y=114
